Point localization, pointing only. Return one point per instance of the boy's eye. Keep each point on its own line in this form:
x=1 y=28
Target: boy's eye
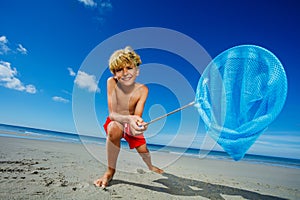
x=121 y=69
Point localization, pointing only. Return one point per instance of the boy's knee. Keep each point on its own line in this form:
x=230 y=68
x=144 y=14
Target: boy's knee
x=114 y=131
x=143 y=151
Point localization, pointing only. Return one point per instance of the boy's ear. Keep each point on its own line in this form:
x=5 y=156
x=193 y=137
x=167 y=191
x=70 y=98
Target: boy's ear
x=137 y=71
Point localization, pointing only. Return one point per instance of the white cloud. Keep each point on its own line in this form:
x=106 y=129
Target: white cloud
x=3 y=39
x=21 y=49
x=86 y=81
x=89 y=3
x=60 y=99
x=3 y=45
x=71 y=72
x=9 y=80
x=105 y=5
x=30 y=89
x=67 y=92
x=102 y=7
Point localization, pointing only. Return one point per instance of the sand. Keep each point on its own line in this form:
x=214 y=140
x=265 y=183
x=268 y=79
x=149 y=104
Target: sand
x=34 y=169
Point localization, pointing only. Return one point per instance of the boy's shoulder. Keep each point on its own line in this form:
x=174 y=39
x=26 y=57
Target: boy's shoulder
x=112 y=80
x=141 y=86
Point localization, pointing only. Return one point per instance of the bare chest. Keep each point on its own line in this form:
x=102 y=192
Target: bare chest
x=126 y=103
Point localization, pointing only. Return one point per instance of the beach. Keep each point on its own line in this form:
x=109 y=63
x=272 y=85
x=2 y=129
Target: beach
x=36 y=169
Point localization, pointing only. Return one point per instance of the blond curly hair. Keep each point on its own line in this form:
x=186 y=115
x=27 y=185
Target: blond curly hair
x=123 y=57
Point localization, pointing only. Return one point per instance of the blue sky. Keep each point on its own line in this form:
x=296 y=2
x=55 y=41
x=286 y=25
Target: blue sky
x=43 y=44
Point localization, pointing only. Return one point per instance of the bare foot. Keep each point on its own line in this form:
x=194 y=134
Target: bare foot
x=156 y=170
x=104 y=180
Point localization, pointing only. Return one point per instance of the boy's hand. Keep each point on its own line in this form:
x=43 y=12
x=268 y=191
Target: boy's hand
x=137 y=125
x=143 y=125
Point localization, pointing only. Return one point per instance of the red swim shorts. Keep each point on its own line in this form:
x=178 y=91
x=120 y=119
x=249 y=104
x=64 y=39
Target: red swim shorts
x=133 y=141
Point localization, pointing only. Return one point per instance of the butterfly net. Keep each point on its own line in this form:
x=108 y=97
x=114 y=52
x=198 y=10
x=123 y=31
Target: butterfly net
x=239 y=94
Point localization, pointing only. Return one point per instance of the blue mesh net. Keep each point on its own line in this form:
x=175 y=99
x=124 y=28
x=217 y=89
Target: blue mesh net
x=239 y=94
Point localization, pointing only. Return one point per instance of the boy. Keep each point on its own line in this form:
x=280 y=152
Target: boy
x=126 y=99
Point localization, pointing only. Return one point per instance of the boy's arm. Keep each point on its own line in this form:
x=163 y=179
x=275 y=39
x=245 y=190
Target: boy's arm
x=111 y=98
x=139 y=109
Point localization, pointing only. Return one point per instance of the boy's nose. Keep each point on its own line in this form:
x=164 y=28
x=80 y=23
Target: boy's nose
x=125 y=70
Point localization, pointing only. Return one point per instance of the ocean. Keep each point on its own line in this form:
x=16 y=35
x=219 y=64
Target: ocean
x=48 y=135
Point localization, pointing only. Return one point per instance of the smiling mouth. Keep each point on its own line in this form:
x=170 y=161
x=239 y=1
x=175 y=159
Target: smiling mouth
x=127 y=78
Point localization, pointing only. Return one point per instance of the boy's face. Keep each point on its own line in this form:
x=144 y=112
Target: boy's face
x=127 y=75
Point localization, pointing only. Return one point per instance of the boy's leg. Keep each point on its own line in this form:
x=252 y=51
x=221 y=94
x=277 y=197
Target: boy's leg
x=113 y=141
x=145 y=154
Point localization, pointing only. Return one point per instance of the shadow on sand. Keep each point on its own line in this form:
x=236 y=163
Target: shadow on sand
x=175 y=185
